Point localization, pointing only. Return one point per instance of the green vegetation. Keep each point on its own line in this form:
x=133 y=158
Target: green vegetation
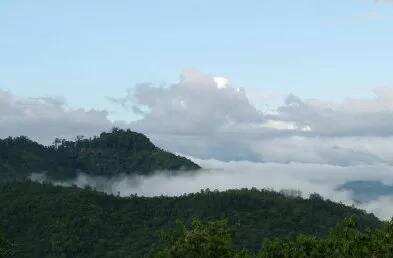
x=20 y=156
x=111 y=153
x=5 y=246
x=43 y=220
x=213 y=240
x=345 y=240
x=210 y=240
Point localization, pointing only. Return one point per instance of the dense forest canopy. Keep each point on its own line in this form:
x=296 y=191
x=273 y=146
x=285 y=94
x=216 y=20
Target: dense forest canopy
x=116 y=152
x=214 y=240
x=5 y=246
x=42 y=220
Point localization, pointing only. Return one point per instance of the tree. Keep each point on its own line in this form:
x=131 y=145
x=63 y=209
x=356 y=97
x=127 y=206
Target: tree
x=208 y=240
x=5 y=247
x=345 y=240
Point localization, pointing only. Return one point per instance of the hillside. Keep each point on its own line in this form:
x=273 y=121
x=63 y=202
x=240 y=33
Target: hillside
x=112 y=153
x=51 y=221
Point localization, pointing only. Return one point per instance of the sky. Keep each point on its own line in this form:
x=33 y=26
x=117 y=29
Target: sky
x=257 y=86
x=88 y=50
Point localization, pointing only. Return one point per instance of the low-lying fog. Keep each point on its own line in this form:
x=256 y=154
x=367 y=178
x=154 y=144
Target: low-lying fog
x=368 y=187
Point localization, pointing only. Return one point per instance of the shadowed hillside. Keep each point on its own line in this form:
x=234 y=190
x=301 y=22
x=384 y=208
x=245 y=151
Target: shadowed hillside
x=112 y=153
x=43 y=220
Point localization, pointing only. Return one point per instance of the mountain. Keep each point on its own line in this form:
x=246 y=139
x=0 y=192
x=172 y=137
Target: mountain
x=365 y=191
x=112 y=153
x=42 y=220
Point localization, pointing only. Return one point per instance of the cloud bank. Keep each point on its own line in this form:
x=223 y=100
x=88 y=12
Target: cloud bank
x=218 y=175
x=44 y=119
x=207 y=117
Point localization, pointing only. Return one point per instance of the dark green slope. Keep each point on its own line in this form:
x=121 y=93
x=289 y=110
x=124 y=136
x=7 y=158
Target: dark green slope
x=19 y=157
x=48 y=221
x=109 y=154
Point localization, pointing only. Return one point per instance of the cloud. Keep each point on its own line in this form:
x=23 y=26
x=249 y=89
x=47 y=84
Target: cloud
x=382 y=207
x=352 y=117
x=44 y=119
x=218 y=175
x=198 y=104
x=206 y=117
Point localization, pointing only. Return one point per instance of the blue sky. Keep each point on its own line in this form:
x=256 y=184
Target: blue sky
x=87 y=50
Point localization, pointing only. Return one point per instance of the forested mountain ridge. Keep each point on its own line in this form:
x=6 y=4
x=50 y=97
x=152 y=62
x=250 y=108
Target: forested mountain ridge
x=116 y=152
x=42 y=220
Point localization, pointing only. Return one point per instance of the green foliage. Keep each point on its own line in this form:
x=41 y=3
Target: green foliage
x=52 y=221
x=346 y=240
x=209 y=240
x=111 y=153
x=19 y=157
x=5 y=247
